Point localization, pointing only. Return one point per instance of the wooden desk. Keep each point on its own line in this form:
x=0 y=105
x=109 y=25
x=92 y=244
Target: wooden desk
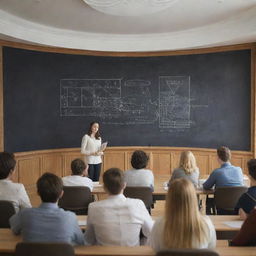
x=8 y=242
x=217 y=220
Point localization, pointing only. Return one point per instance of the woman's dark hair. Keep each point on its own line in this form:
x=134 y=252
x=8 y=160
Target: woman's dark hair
x=97 y=135
x=49 y=187
x=139 y=159
x=7 y=164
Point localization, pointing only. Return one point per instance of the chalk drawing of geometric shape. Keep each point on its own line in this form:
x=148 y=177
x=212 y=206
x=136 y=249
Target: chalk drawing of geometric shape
x=87 y=98
x=173 y=87
x=74 y=97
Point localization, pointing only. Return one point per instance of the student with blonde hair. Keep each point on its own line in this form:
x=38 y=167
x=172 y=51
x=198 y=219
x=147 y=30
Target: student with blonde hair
x=183 y=226
x=187 y=168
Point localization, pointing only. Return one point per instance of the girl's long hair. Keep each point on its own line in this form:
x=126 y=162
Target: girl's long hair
x=188 y=162
x=97 y=134
x=184 y=226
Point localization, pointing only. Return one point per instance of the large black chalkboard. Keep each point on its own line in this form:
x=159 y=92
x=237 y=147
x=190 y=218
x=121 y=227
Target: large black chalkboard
x=198 y=100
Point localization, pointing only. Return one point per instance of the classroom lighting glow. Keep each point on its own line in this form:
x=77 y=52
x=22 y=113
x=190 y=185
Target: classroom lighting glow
x=130 y=7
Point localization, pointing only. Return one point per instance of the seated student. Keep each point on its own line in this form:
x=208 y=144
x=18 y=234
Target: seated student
x=117 y=220
x=247 y=201
x=187 y=168
x=10 y=191
x=47 y=223
x=79 y=175
x=247 y=233
x=139 y=176
x=227 y=174
x=183 y=226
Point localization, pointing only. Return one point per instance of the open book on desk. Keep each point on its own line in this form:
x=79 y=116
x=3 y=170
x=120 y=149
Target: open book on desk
x=103 y=146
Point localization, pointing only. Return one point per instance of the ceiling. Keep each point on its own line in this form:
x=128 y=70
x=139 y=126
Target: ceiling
x=73 y=24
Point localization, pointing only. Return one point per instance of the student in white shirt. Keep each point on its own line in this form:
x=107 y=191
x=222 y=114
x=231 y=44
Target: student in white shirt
x=117 y=220
x=79 y=175
x=10 y=191
x=183 y=226
x=91 y=148
x=139 y=176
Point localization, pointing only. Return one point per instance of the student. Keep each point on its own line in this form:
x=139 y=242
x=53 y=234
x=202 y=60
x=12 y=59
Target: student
x=187 y=168
x=139 y=176
x=247 y=201
x=10 y=191
x=227 y=174
x=183 y=225
x=247 y=233
x=117 y=220
x=47 y=223
x=79 y=175
x=91 y=148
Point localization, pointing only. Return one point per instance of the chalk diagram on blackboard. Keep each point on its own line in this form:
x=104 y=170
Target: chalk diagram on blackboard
x=118 y=101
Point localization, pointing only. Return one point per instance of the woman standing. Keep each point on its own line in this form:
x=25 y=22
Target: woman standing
x=187 y=168
x=91 y=148
x=183 y=225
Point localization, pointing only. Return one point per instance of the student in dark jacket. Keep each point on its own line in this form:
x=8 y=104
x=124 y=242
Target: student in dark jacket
x=247 y=201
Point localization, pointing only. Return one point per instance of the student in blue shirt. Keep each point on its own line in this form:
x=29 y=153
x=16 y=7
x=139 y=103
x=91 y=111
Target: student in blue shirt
x=227 y=174
x=47 y=223
x=247 y=201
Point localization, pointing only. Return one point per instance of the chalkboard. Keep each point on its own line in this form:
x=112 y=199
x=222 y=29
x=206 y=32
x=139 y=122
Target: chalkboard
x=199 y=100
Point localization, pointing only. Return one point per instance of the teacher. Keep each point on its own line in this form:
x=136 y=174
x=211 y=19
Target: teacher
x=91 y=148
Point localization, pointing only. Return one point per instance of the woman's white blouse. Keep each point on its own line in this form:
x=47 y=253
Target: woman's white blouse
x=91 y=145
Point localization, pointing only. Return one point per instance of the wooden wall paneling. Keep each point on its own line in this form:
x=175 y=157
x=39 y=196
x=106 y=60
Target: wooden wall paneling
x=116 y=159
x=161 y=163
x=68 y=158
x=53 y=163
x=175 y=160
x=213 y=163
x=237 y=161
x=202 y=161
x=29 y=170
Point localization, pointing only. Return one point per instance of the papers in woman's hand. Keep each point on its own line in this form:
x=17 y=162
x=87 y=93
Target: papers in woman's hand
x=103 y=146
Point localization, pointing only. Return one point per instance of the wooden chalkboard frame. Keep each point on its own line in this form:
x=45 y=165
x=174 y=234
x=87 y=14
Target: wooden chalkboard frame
x=251 y=46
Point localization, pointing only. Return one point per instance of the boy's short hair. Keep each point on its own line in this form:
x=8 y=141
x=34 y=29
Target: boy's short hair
x=78 y=166
x=252 y=168
x=113 y=180
x=7 y=164
x=224 y=154
x=49 y=187
x=139 y=159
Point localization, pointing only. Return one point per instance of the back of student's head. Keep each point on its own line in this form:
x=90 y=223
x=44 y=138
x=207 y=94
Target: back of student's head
x=139 y=159
x=49 y=187
x=224 y=154
x=78 y=166
x=252 y=168
x=188 y=162
x=184 y=224
x=113 y=180
x=7 y=164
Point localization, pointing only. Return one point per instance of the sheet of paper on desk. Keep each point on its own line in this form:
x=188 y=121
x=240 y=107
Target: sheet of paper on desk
x=96 y=184
x=234 y=223
x=82 y=222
